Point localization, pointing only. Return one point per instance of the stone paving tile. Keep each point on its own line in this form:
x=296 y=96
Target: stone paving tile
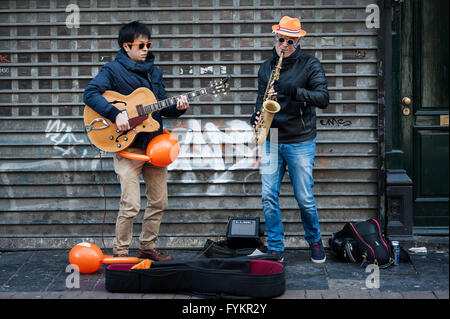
x=124 y=296
x=329 y=294
x=51 y=295
x=376 y=294
x=313 y=294
x=5 y=295
x=181 y=296
x=99 y=295
x=418 y=295
x=441 y=294
x=77 y=294
x=28 y=295
x=292 y=294
x=159 y=296
x=350 y=294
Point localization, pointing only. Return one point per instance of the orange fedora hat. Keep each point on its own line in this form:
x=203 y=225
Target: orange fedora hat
x=290 y=27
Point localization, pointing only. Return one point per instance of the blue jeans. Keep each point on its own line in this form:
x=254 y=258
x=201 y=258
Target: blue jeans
x=299 y=158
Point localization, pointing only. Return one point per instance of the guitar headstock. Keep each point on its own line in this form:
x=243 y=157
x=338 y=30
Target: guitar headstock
x=219 y=86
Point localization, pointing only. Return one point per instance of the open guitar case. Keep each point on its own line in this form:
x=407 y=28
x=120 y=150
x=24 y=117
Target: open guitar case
x=205 y=277
x=251 y=276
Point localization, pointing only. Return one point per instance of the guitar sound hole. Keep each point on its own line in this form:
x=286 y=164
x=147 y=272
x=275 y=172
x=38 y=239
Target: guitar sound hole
x=117 y=101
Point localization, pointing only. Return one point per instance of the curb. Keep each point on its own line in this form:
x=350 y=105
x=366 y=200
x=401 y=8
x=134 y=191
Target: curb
x=289 y=294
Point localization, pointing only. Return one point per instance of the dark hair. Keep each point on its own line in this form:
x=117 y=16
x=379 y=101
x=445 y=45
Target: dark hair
x=131 y=31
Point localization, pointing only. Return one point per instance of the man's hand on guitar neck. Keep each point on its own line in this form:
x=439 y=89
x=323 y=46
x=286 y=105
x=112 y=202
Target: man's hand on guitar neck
x=182 y=103
x=122 y=121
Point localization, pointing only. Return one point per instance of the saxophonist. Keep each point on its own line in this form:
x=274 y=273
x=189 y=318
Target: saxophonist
x=301 y=88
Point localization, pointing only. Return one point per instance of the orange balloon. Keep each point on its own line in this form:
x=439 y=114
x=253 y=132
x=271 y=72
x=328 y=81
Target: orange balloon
x=134 y=156
x=163 y=149
x=88 y=257
x=107 y=259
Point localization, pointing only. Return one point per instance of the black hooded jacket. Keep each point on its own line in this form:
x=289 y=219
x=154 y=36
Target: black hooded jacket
x=296 y=120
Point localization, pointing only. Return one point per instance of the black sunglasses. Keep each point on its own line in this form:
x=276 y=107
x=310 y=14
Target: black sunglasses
x=290 y=41
x=141 y=44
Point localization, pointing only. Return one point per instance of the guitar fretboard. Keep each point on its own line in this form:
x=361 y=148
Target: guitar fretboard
x=171 y=100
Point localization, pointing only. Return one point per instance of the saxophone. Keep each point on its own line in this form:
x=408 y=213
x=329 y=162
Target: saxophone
x=269 y=107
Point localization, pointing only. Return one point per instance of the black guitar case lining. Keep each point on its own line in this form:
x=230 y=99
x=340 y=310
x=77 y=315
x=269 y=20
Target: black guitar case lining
x=222 y=276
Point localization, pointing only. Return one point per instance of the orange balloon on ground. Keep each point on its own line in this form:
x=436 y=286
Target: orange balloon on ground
x=108 y=259
x=88 y=257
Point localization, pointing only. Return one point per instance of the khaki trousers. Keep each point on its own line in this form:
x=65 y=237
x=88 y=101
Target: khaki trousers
x=155 y=178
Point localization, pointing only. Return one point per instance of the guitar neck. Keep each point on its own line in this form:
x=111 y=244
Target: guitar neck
x=171 y=100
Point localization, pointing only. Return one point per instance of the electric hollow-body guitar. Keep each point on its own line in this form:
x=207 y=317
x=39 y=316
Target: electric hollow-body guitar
x=139 y=106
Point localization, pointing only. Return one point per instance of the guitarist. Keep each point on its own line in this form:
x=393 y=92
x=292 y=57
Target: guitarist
x=133 y=68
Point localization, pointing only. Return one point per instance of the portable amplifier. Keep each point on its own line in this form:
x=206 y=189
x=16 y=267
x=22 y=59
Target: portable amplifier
x=243 y=232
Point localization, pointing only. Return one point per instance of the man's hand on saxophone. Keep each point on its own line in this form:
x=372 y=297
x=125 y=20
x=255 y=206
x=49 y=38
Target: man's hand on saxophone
x=272 y=90
x=256 y=119
x=285 y=89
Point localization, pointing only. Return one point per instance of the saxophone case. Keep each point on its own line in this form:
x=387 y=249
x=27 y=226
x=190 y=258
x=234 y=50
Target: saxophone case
x=208 y=277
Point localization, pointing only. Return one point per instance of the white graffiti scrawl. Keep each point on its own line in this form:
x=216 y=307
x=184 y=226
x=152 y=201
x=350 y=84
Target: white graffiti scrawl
x=62 y=137
x=212 y=147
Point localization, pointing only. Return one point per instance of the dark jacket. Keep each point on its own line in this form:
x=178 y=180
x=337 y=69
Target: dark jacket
x=123 y=75
x=296 y=120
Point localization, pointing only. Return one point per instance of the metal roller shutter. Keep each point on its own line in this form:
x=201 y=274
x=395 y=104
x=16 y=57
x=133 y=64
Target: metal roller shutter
x=51 y=194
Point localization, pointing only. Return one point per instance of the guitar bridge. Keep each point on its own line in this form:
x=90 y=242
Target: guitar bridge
x=91 y=127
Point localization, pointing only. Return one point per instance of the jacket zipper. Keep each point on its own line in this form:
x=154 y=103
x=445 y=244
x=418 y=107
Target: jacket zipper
x=301 y=116
x=150 y=81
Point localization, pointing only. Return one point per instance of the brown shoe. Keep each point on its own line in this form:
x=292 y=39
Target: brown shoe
x=153 y=254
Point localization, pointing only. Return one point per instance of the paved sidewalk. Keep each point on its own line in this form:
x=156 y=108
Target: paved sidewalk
x=289 y=294
x=43 y=275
